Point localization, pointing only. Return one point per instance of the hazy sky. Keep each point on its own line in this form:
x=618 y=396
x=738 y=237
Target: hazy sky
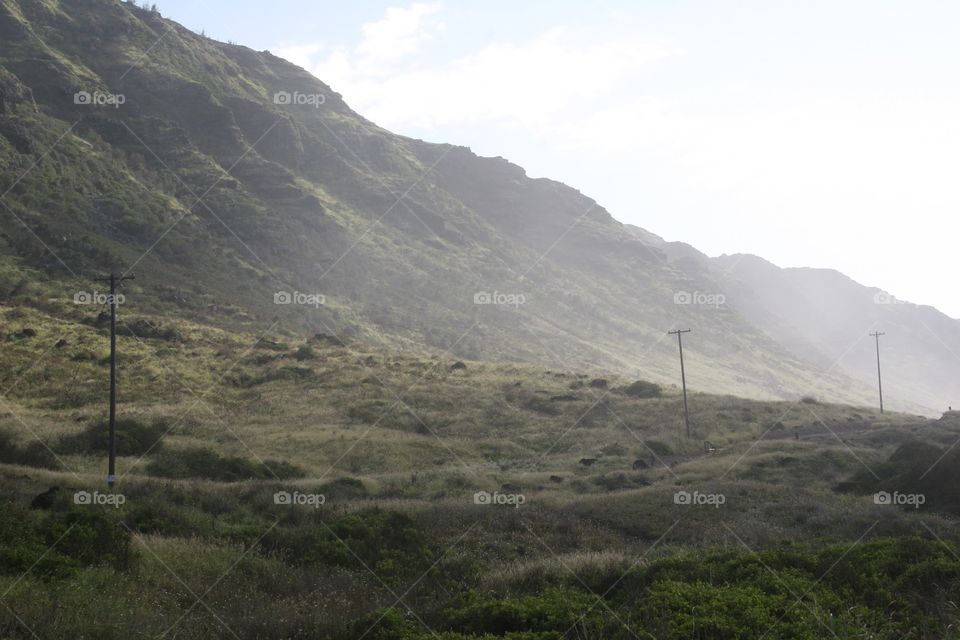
x=811 y=133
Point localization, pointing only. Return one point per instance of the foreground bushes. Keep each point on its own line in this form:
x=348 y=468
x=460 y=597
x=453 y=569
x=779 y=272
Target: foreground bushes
x=883 y=589
x=57 y=543
x=890 y=588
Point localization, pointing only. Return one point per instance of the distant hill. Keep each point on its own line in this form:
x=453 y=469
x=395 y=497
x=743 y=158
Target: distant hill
x=229 y=179
x=824 y=317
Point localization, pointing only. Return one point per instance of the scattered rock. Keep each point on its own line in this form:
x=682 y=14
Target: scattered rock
x=305 y=352
x=323 y=337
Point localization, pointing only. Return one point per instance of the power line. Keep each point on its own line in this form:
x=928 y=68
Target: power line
x=683 y=376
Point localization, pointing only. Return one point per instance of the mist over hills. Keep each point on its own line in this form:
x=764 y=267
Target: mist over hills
x=824 y=317
x=229 y=179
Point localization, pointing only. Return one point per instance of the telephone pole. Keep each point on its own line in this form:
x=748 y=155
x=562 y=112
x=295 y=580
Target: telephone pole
x=114 y=280
x=683 y=376
x=876 y=335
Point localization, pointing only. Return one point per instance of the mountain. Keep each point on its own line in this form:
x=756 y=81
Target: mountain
x=824 y=317
x=244 y=193
x=816 y=312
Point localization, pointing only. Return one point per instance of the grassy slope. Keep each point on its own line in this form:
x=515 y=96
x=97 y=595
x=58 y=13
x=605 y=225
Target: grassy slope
x=404 y=433
x=305 y=199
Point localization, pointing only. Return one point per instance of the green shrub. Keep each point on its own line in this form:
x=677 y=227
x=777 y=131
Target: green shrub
x=198 y=462
x=54 y=544
x=555 y=610
x=388 y=542
x=680 y=610
x=344 y=488
x=394 y=623
x=23 y=548
x=305 y=352
x=134 y=437
x=658 y=447
x=92 y=536
x=891 y=585
x=144 y=329
x=33 y=454
x=916 y=468
x=643 y=389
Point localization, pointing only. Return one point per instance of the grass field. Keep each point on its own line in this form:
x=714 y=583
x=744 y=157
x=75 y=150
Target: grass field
x=458 y=500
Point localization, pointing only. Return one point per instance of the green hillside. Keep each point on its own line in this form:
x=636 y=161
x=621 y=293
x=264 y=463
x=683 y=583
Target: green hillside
x=218 y=198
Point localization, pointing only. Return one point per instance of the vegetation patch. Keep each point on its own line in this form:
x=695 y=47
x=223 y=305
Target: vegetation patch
x=198 y=462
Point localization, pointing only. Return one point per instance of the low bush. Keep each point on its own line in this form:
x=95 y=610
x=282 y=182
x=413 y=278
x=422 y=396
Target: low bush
x=56 y=543
x=31 y=454
x=198 y=462
x=134 y=437
x=557 y=610
x=388 y=542
x=643 y=389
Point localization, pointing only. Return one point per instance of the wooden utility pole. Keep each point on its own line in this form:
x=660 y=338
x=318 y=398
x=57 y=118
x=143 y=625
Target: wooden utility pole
x=876 y=335
x=683 y=376
x=114 y=280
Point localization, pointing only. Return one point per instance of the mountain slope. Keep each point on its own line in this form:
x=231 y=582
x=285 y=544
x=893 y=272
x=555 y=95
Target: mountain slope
x=824 y=317
x=227 y=178
x=817 y=311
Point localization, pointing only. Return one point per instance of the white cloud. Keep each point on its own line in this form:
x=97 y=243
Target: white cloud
x=523 y=84
x=400 y=32
x=300 y=55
